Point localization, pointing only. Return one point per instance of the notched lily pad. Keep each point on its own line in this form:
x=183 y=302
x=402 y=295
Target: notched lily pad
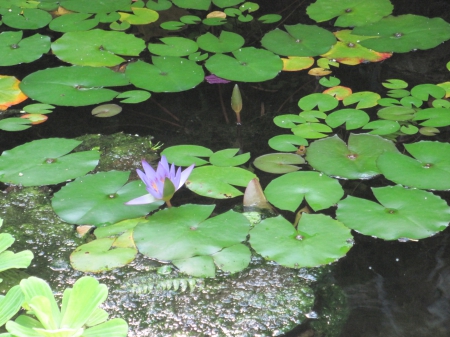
x=15 y=50
x=186 y=155
x=278 y=162
x=400 y=214
x=225 y=43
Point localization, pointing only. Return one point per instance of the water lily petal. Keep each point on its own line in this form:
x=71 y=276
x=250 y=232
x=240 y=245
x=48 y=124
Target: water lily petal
x=149 y=171
x=145 y=199
x=185 y=175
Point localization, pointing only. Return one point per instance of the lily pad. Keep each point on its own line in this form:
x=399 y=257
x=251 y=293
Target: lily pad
x=38 y=108
x=296 y=63
x=193 y=4
x=72 y=86
x=429 y=169
x=382 y=127
x=365 y=99
x=134 y=96
x=329 y=81
x=355 y=161
x=288 y=191
x=433 y=117
x=96 y=47
x=426 y=91
x=225 y=43
x=352 y=118
x=403 y=213
x=404 y=33
x=218 y=182
x=349 y=13
x=72 y=22
x=184 y=232
x=14 y=124
x=228 y=158
x=106 y=110
x=10 y=93
x=311 y=130
x=140 y=16
x=287 y=143
x=323 y=102
x=173 y=46
x=99 y=199
x=88 y=6
x=166 y=74
x=278 y=162
x=395 y=84
x=288 y=121
x=339 y=92
x=15 y=50
x=45 y=162
x=396 y=113
x=299 y=40
x=186 y=155
x=26 y=18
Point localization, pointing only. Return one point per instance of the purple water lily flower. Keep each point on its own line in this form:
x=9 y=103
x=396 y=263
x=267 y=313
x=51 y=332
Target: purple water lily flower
x=213 y=79
x=162 y=183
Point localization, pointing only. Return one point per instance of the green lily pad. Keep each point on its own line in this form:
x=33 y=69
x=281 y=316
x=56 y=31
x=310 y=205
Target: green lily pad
x=396 y=113
x=14 y=124
x=233 y=259
x=249 y=64
x=329 y=81
x=311 y=116
x=388 y=102
x=173 y=46
x=190 y=19
x=140 y=16
x=288 y=121
x=311 y=130
x=404 y=33
x=73 y=22
x=395 y=84
x=403 y=213
x=227 y=158
x=15 y=50
x=349 y=13
x=38 y=108
x=26 y=18
x=72 y=86
x=426 y=91
x=184 y=232
x=108 y=17
x=88 y=6
x=106 y=110
x=323 y=102
x=352 y=118
x=226 y=3
x=197 y=266
x=102 y=255
x=382 y=127
x=441 y=103
x=428 y=131
x=159 y=5
x=355 y=161
x=365 y=99
x=186 y=155
x=318 y=240
x=434 y=117
x=278 y=162
x=118 y=228
x=270 y=18
x=299 y=40
x=429 y=170
x=287 y=143
x=193 y=4
x=99 y=199
x=166 y=74
x=409 y=129
x=288 y=191
x=45 y=162
x=410 y=101
x=217 y=182
x=96 y=47
x=214 y=21
x=225 y=43
x=134 y=96
x=398 y=93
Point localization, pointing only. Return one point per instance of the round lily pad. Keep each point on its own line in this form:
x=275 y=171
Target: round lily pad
x=228 y=158
x=299 y=40
x=179 y=233
x=140 y=16
x=425 y=91
x=15 y=50
x=288 y=121
x=173 y=46
x=186 y=155
x=88 y=6
x=396 y=113
x=352 y=118
x=14 y=124
x=278 y=162
x=249 y=64
x=218 y=182
x=99 y=199
x=319 y=190
x=225 y=43
x=134 y=96
x=404 y=33
x=45 y=162
x=318 y=240
x=364 y=99
x=106 y=110
x=429 y=170
x=73 y=22
x=401 y=213
x=323 y=102
x=26 y=18
x=287 y=143
x=349 y=13
x=311 y=130
x=382 y=127
x=166 y=74
x=96 y=47
x=355 y=161
x=435 y=117
x=72 y=86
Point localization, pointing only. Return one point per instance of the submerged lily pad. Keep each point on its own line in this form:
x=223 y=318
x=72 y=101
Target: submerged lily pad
x=45 y=162
x=15 y=50
x=166 y=74
x=279 y=162
x=72 y=86
x=401 y=34
x=99 y=199
x=299 y=40
x=429 y=170
x=318 y=240
x=403 y=213
x=249 y=64
x=357 y=161
x=319 y=190
x=106 y=110
x=180 y=233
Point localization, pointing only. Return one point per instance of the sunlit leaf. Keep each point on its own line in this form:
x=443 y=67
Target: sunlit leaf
x=365 y=99
x=10 y=93
x=295 y=63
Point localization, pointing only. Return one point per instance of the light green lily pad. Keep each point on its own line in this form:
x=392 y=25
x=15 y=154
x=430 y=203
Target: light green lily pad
x=318 y=240
x=140 y=16
x=311 y=130
x=99 y=199
x=313 y=115
x=288 y=121
x=228 y=158
x=429 y=170
x=398 y=93
x=288 y=191
x=225 y=43
x=166 y=74
x=190 y=19
x=233 y=259
x=410 y=101
x=323 y=102
x=425 y=91
x=249 y=64
x=45 y=162
x=186 y=155
x=218 y=182
x=278 y=162
x=365 y=99
x=329 y=81
x=270 y=18
x=395 y=84
x=72 y=86
x=72 y=22
x=26 y=18
x=352 y=118
x=96 y=47
x=38 y=108
x=184 y=232
x=403 y=213
x=396 y=113
x=134 y=96
x=434 y=117
x=172 y=25
x=382 y=127
x=173 y=46
x=287 y=143
x=159 y=5
x=349 y=13
x=404 y=33
x=193 y=4
x=88 y=6
x=355 y=161
x=299 y=40
x=14 y=124
x=15 y=50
